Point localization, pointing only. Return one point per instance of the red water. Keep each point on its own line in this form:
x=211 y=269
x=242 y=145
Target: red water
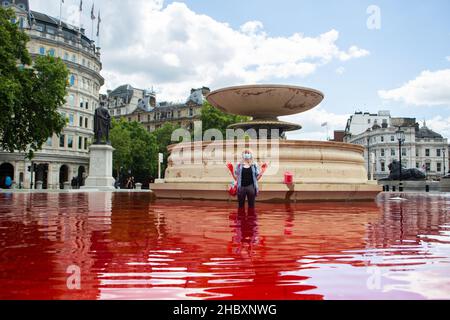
x=128 y=248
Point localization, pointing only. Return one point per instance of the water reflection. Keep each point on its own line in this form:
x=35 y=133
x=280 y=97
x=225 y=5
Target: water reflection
x=130 y=248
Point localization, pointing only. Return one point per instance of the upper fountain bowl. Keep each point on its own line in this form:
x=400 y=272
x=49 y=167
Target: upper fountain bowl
x=265 y=101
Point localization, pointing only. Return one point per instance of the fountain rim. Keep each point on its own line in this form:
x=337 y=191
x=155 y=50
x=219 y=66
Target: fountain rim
x=261 y=86
x=298 y=143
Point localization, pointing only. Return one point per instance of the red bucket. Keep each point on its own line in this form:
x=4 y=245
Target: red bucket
x=288 y=178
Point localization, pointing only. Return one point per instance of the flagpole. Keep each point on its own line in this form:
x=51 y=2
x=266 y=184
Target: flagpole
x=60 y=11
x=98 y=28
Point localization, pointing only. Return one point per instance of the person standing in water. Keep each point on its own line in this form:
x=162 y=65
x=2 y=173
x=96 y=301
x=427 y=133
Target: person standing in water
x=247 y=175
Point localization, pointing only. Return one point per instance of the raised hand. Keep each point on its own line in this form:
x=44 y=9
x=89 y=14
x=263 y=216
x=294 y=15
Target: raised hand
x=264 y=167
x=230 y=167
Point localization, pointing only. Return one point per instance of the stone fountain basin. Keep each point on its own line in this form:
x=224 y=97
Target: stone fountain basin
x=323 y=171
x=265 y=101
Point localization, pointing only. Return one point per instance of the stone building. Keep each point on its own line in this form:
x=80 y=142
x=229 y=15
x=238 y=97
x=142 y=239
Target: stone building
x=142 y=106
x=66 y=156
x=423 y=148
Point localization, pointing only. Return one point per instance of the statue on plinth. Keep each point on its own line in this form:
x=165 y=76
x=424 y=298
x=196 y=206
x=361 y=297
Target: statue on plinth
x=102 y=125
x=406 y=174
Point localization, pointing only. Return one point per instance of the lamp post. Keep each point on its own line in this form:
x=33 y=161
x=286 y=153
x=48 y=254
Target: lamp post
x=368 y=157
x=443 y=155
x=401 y=139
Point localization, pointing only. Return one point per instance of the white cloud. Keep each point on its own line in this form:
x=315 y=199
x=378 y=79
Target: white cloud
x=175 y=48
x=430 y=88
x=353 y=52
x=252 y=27
x=340 y=70
x=440 y=125
x=312 y=121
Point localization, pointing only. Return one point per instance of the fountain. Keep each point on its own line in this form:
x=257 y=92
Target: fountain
x=322 y=171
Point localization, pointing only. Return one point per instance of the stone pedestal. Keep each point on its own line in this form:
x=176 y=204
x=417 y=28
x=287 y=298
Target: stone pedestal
x=445 y=184
x=100 y=168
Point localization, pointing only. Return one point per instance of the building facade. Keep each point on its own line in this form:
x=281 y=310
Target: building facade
x=142 y=106
x=361 y=121
x=63 y=157
x=423 y=148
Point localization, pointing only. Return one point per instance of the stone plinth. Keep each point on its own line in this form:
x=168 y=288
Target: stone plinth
x=100 y=168
x=410 y=186
x=445 y=184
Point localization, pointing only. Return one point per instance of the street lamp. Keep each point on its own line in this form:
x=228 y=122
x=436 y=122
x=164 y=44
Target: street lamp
x=443 y=155
x=401 y=139
x=368 y=157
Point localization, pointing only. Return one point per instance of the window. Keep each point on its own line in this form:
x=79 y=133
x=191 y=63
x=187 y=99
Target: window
x=438 y=152
x=21 y=22
x=139 y=118
x=71 y=119
x=72 y=100
x=87 y=104
x=392 y=152
x=81 y=102
x=427 y=152
x=368 y=121
x=403 y=151
x=80 y=143
x=74 y=58
x=392 y=138
x=62 y=140
x=39 y=27
x=382 y=152
x=428 y=166
x=85 y=143
x=86 y=123
x=51 y=52
x=70 y=142
x=417 y=165
x=49 y=142
x=383 y=167
x=81 y=122
x=438 y=167
x=66 y=56
x=72 y=80
x=191 y=112
x=42 y=51
x=382 y=138
x=417 y=152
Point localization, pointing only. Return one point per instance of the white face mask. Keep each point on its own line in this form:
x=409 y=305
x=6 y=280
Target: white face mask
x=247 y=156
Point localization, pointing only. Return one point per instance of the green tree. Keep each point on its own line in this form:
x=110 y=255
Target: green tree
x=163 y=136
x=29 y=95
x=136 y=150
x=121 y=142
x=144 y=152
x=213 y=118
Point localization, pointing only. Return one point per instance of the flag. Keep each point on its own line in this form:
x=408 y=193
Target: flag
x=81 y=5
x=98 y=23
x=92 y=13
x=324 y=124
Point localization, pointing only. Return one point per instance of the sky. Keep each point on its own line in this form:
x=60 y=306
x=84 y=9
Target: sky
x=363 y=55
